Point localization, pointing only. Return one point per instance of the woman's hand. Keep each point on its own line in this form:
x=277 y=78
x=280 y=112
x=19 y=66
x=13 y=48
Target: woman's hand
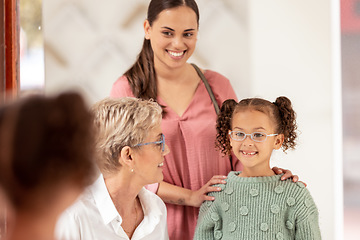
x=199 y=196
x=287 y=174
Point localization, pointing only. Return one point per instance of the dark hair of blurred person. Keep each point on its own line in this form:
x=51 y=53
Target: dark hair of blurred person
x=46 y=160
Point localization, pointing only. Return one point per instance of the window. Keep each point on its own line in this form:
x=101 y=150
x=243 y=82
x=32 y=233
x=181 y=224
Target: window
x=31 y=46
x=350 y=38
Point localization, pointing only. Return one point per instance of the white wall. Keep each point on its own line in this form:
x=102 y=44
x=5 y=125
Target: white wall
x=294 y=52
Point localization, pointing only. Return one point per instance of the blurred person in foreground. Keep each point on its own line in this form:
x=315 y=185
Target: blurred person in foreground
x=130 y=150
x=46 y=152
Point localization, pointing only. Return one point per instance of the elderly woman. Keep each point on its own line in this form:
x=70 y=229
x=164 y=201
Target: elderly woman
x=130 y=154
x=46 y=161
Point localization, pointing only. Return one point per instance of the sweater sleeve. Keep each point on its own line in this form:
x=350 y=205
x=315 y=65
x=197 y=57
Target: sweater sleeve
x=307 y=225
x=205 y=226
x=209 y=225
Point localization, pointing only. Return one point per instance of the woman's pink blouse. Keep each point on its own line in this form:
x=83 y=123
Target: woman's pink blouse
x=193 y=159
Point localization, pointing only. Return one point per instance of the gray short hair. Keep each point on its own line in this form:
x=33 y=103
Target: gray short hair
x=121 y=122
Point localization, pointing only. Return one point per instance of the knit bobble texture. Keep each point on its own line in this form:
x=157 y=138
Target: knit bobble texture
x=259 y=208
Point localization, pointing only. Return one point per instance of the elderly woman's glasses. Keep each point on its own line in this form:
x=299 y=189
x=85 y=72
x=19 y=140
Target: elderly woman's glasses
x=162 y=142
x=255 y=136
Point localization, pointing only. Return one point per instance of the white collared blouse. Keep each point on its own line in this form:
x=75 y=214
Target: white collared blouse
x=94 y=216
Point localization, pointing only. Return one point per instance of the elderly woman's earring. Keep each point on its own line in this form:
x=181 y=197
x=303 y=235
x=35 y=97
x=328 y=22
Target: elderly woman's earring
x=132 y=170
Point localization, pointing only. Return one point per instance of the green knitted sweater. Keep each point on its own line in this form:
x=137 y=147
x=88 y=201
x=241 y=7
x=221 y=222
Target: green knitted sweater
x=259 y=208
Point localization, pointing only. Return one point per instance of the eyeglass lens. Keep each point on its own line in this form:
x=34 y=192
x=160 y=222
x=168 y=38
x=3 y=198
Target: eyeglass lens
x=240 y=136
x=163 y=142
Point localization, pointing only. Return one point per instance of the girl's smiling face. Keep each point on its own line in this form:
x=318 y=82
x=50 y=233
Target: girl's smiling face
x=254 y=156
x=173 y=36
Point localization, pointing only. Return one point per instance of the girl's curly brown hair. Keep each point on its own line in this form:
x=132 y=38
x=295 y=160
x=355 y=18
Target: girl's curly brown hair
x=280 y=111
x=223 y=125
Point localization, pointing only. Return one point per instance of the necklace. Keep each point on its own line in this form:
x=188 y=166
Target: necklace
x=133 y=229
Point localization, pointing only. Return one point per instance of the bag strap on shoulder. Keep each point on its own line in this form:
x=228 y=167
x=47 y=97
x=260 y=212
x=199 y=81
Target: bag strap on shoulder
x=208 y=88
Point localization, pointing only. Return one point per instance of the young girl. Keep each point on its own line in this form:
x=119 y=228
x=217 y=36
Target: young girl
x=255 y=204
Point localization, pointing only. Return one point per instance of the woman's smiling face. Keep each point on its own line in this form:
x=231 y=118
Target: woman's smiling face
x=149 y=161
x=173 y=36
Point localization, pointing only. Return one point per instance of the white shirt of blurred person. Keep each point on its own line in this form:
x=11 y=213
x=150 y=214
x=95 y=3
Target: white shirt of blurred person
x=130 y=153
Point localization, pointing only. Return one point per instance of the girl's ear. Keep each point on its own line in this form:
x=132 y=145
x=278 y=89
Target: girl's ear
x=146 y=29
x=279 y=141
x=125 y=157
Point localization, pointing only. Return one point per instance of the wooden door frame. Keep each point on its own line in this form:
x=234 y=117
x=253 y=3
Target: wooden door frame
x=9 y=49
x=2 y=51
x=9 y=67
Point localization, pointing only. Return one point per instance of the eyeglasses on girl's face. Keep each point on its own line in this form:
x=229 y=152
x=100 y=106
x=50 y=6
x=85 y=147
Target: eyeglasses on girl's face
x=255 y=136
x=161 y=143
